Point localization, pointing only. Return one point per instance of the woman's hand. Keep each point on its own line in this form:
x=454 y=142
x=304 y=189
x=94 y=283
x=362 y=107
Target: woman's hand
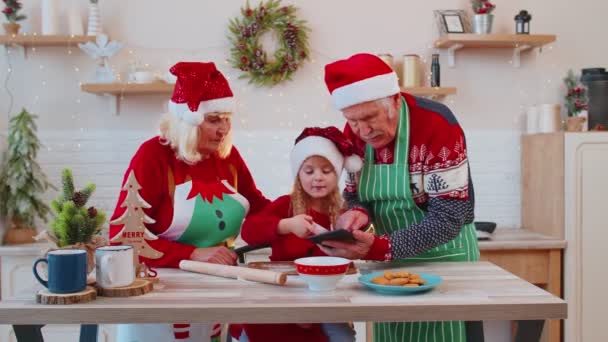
x=352 y=220
x=350 y=250
x=299 y=225
x=214 y=255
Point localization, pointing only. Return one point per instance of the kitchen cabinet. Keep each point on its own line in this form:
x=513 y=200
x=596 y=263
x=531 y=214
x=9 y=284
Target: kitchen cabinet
x=564 y=186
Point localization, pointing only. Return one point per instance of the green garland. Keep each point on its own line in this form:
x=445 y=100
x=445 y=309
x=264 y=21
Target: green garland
x=247 y=53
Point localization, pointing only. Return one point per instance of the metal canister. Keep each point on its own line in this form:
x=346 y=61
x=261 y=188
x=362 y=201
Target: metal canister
x=412 y=74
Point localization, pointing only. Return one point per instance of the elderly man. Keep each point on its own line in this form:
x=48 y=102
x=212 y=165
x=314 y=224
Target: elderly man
x=415 y=181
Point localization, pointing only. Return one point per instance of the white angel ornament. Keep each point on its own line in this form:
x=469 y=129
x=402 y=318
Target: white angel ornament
x=101 y=51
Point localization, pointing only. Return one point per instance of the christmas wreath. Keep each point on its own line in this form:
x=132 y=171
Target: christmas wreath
x=248 y=55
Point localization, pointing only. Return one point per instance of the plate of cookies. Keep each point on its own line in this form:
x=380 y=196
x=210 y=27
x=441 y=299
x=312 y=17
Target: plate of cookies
x=399 y=281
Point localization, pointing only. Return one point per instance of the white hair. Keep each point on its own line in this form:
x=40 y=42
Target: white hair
x=184 y=139
x=388 y=104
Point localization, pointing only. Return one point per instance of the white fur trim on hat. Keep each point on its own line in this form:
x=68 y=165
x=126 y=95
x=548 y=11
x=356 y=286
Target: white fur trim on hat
x=315 y=146
x=353 y=163
x=183 y=112
x=369 y=89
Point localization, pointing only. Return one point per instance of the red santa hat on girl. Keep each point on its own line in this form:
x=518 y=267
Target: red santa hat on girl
x=328 y=142
x=200 y=89
x=360 y=78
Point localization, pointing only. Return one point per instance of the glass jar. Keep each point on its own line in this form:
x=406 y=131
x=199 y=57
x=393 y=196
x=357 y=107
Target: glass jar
x=412 y=74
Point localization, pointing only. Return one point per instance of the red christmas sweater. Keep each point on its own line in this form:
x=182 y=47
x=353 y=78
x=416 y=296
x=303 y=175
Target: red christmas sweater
x=263 y=228
x=158 y=171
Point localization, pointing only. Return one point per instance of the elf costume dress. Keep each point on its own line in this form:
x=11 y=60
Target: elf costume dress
x=417 y=189
x=193 y=205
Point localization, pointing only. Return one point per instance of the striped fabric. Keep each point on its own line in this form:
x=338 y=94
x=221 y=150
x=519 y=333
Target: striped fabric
x=386 y=188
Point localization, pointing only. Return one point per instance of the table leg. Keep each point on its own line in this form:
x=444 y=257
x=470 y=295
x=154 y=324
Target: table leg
x=474 y=331
x=529 y=331
x=88 y=333
x=28 y=333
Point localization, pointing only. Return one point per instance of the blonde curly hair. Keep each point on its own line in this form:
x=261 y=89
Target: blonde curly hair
x=184 y=138
x=300 y=201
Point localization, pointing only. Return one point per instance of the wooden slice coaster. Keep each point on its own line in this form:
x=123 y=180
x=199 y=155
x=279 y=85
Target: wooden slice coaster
x=287 y=267
x=153 y=280
x=138 y=288
x=84 y=296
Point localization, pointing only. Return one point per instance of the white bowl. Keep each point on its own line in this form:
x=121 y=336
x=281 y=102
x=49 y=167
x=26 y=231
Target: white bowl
x=322 y=273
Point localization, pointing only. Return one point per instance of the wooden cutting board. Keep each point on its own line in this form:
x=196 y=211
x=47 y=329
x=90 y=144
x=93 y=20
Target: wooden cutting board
x=287 y=267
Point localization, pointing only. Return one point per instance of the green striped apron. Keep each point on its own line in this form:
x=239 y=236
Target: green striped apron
x=386 y=190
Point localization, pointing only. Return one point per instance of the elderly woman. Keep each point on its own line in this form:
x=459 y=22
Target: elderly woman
x=198 y=187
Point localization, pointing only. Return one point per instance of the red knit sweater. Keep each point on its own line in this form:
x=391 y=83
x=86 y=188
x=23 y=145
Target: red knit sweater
x=263 y=228
x=158 y=171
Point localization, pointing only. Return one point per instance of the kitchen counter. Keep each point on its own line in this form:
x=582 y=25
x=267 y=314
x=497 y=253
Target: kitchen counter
x=514 y=238
x=534 y=257
x=469 y=291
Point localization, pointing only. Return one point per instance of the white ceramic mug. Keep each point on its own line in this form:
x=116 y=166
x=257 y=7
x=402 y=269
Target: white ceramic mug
x=549 y=118
x=114 y=266
x=144 y=76
x=532 y=120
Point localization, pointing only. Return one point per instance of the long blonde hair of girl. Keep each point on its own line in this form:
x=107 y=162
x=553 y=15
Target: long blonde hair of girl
x=301 y=202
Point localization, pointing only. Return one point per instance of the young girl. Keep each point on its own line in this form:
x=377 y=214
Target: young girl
x=316 y=160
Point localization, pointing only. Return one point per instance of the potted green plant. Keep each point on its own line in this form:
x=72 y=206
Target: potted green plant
x=22 y=182
x=11 y=12
x=75 y=225
x=575 y=101
x=483 y=17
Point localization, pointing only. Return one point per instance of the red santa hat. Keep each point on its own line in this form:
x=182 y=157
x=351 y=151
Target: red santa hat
x=200 y=89
x=360 y=78
x=328 y=142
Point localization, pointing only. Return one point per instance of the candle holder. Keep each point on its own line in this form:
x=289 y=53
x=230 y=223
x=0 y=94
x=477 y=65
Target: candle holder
x=522 y=22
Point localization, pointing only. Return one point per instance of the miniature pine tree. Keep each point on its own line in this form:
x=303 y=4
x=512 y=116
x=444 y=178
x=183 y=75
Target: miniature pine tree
x=22 y=181
x=74 y=222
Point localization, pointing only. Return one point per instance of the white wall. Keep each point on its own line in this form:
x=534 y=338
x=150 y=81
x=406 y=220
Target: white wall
x=80 y=132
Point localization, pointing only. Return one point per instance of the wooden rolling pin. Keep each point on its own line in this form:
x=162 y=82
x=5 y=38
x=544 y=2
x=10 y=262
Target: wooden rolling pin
x=252 y=274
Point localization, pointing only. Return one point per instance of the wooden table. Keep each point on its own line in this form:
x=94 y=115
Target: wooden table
x=470 y=291
x=532 y=256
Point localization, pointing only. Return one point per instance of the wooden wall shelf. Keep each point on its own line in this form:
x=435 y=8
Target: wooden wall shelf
x=32 y=40
x=118 y=90
x=433 y=92
x=517 y=42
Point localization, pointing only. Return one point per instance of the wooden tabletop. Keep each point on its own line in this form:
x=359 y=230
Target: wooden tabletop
x=470 y=291
x=520 y=238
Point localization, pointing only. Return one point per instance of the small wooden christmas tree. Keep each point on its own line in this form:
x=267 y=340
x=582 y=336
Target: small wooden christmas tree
x=74 y=222
x=134 y=232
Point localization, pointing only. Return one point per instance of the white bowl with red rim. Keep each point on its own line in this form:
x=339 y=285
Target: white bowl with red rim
x=322 y=273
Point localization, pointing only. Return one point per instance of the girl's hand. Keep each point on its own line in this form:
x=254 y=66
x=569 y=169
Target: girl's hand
x=214 y=255
x=299 y=225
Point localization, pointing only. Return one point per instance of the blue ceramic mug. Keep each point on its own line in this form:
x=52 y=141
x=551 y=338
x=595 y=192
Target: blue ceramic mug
x=67 y=270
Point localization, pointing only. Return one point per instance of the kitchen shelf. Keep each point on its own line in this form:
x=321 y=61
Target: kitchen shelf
x=120 y=89
x=26 y=41
x=158 y=87
x=32 y=40
x=517 y=42
x=433 y=92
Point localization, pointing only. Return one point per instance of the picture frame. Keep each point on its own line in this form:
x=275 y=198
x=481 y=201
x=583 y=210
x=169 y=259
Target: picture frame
x=452 y=21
